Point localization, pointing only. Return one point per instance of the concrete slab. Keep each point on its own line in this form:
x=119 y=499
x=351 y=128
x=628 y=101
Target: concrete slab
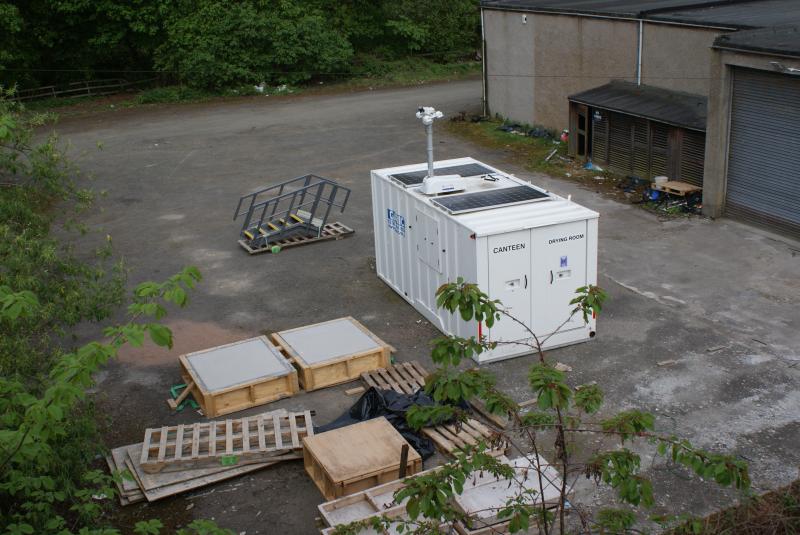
x=328 y=341
x=234 y=364
x=718 y=298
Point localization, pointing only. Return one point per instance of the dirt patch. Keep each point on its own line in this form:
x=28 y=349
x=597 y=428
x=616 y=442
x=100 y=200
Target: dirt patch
x=189 y=336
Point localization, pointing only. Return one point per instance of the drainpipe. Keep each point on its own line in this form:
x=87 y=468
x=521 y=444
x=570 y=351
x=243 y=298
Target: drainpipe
x=485 y=88
x=639 y=55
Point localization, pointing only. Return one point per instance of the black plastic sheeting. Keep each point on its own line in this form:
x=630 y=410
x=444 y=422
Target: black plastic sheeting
x=392 y=406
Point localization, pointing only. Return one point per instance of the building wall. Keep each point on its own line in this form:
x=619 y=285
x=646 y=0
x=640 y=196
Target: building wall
x=719 y=113
x=677 y=57
x=509 y=64
x=532 y=67
x=572 y=54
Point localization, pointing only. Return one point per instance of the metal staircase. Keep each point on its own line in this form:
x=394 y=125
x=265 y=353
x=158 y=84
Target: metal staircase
x=297 y=207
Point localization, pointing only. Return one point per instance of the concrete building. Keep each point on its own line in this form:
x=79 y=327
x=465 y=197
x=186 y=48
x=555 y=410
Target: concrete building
x=702 y=91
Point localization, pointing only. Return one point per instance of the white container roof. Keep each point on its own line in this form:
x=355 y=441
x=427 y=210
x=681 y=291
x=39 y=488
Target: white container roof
x=540 y=213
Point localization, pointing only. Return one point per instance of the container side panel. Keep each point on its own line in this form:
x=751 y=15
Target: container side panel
x=393 y=260
x=592 y=233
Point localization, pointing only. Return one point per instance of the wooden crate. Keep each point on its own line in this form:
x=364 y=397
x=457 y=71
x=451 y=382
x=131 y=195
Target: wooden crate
x=238 y=376
x=260 y=438
x=332 y=352
x=357 y=457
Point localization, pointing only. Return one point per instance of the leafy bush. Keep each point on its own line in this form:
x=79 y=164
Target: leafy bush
x=48 y=435
x=213 y=44
x=222 y=44
x=169 y=94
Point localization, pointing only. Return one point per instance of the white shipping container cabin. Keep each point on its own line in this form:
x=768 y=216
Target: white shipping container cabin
x=523 y=245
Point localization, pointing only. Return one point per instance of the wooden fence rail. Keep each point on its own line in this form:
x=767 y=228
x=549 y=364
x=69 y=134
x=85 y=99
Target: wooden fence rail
x=86 y=88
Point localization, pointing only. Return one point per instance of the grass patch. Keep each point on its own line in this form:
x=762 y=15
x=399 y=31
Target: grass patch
x=775 y=513
x=532 y=152
x=369 y=72
x=374 y=72
x=170 y=94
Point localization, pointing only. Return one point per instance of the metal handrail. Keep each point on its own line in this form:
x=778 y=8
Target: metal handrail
x=252 y=196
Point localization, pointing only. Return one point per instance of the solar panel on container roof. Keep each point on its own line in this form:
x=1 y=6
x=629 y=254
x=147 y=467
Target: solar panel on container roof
x=483 y=200
x=416 y=177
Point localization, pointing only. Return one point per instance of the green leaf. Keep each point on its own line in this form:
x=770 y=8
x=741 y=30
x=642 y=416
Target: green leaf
x=160 y=335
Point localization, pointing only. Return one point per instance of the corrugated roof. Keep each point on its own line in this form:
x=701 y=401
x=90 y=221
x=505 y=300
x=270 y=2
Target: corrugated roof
x=622 y=8
x=783 y=40
x=752 y=14
x=713 y=13
x=663 y=105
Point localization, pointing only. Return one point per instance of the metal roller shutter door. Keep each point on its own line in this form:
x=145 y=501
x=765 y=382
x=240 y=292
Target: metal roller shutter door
x=763 y=184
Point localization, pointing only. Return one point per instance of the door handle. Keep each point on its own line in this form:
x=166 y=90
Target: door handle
x=526 y=281
x=551 y=276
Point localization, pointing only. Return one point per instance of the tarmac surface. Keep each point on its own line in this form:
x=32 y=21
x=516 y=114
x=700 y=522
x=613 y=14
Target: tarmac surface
x=702 y=325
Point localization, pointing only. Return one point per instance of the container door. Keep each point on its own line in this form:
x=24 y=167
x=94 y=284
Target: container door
x=429 y=250
x=509 y=262
x=558 y=269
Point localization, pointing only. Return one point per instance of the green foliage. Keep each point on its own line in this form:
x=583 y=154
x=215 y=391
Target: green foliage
x=549 y=386
x=620 y=469
x=429 y=495
x=48 y=436
x=589 y=300
x=630 y=423
x=468 y=300
x=448 y=385
x=615 y=520
x=538 y=420
x=451 y=350
x=170 y=94
x=216 y=44
x=588 y=398
x=419 y=416
x=726 y=470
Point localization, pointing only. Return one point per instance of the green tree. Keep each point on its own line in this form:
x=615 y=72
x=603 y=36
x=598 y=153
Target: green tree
x=218 y=44
x=48 y=435
x=562 y=413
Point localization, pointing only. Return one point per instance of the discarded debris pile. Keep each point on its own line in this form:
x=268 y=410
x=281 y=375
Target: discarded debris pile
x=670 y=196
x=176 y=459
x=483 y=497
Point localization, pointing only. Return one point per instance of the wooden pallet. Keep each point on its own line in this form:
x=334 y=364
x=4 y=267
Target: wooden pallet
x=166 y=484
x=325 y=353
x=450 y=438
x=675 y=187
x=261 y=438
x=405 y=377
x=331 y=231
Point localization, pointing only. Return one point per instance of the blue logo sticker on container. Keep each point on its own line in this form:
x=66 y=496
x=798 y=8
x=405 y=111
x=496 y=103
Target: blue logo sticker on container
x=396 y=222
x=563 y=261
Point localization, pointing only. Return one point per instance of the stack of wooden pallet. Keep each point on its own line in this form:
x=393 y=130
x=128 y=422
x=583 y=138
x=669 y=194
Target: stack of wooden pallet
x=407 y=378
x=176 y=459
